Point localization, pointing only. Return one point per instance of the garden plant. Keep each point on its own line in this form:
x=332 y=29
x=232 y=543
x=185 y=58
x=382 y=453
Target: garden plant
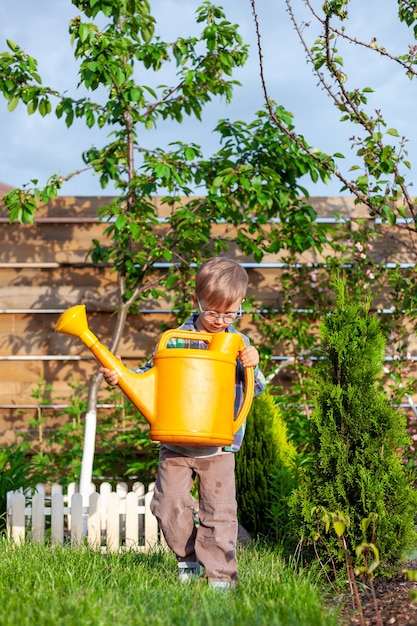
x=266 y=473
x=358 y=440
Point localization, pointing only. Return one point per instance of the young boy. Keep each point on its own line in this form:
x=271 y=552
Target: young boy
x=221 y=285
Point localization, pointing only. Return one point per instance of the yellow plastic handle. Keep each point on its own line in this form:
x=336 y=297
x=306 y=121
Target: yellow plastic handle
x=249 y=372
x=247 y=402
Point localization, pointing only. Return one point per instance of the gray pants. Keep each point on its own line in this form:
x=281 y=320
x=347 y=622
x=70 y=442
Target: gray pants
x=213 y=542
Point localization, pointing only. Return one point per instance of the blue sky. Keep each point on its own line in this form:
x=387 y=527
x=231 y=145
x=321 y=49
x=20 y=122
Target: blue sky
x=34 y=147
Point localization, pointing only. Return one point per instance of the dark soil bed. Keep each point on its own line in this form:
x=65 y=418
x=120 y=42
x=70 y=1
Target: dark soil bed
x=393 y=602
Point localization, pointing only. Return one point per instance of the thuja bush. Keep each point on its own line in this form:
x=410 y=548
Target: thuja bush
x=265 y=454
x=357 y=438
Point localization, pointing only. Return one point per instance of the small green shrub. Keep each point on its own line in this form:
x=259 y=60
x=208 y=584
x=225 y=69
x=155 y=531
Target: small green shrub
x=265 y=468
x=358 y=438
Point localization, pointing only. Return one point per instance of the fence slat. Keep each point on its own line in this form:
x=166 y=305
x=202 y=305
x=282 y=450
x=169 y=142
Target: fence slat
x=57 y=517
x=151 y=523
x=113 y=522
x=76 y=519
x=105 y=490
x=139 y=489
x=132 y=522
x=56 y=488
x=17 y=517
x=40 y=488
x=71 y=489
x=121 y=490
x=38 y=517
x=94 y=521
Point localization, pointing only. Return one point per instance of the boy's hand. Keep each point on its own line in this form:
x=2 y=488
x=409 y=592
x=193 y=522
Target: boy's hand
x=110 y=376
x=249 y=356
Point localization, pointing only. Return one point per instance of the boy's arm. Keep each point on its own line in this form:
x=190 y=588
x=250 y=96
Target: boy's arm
x=260 y=382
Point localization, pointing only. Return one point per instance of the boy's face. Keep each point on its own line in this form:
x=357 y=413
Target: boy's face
x=215 y=324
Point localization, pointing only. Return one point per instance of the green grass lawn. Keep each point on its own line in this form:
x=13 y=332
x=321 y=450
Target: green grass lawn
x=42 y=586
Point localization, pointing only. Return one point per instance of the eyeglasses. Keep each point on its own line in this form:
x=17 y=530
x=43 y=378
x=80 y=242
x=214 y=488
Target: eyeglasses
x=213 y=316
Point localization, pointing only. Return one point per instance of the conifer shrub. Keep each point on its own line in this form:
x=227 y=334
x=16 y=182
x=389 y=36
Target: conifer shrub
x=265 y=455
x=357 y=440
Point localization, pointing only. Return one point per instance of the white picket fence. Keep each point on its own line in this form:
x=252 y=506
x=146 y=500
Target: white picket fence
x=112 y=521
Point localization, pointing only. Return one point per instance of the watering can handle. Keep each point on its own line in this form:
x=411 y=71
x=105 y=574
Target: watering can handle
x=249 y=374
x=182 y=334
x=247 y=401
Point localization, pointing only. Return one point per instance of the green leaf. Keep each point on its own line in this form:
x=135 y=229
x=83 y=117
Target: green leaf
x=146 y=34
x=339 y=527
x=44 y=107
x=392 y=219
x=362 y=181
x=189 y=153
x=12 y=45
x=83 y=31
x=120 y=222
x=134 y=229
x=12 y=104
x=32 y=106
x=136 y=94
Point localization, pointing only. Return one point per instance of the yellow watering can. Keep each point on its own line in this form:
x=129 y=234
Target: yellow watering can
x=188 y=395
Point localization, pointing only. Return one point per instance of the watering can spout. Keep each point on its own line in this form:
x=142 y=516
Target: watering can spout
x=139 y=388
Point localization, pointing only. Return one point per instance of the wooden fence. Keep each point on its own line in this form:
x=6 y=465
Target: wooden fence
x=45 y=269
x=112 y=521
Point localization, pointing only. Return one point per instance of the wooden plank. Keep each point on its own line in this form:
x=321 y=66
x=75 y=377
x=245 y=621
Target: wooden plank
x=94 y=522
x=17 y=531
x=15 y=278
x=71 y=490
x=61 y=243
x=139 y=489
x=113 y=523
x=105 y=491
x=70 y=243
x=38 y=517
x=151 y=523
x=77 y=519
x=57 y=518
x=132 y=521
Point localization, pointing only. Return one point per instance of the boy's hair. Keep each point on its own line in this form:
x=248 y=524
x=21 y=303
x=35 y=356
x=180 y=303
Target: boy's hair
x=220 y=282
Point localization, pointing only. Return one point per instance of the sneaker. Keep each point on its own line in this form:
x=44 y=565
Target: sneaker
x=221 y=585
x=188 y=570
